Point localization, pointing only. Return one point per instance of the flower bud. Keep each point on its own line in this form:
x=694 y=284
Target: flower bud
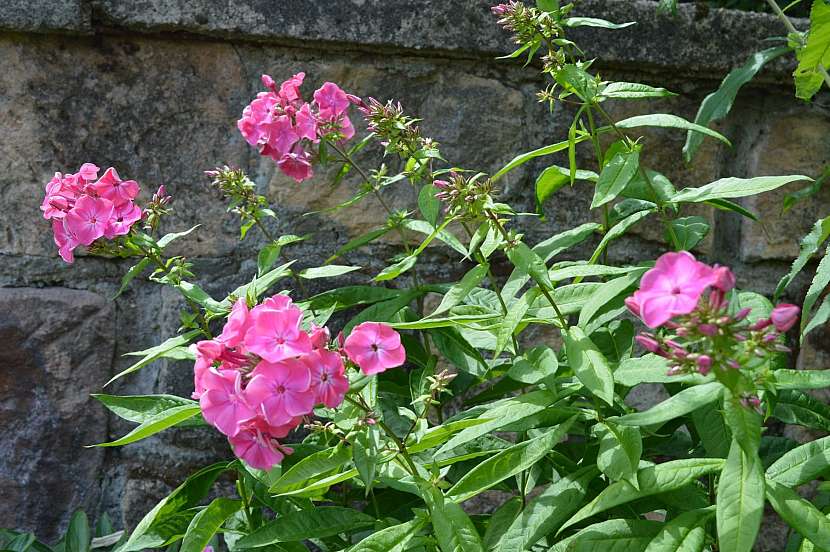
x=733 y=364
x=633 y=305
x=784 y=316
x=743 y=313
x=704 y=364
x=761 y=324
x=648 y=343
x=724 y=278
x=708 y=329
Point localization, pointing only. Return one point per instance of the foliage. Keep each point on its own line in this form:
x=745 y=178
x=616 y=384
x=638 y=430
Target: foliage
x=390 y=459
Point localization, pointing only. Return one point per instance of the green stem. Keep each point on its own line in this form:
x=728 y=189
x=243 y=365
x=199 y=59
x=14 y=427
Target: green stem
x=389 y=433
x=241 y=489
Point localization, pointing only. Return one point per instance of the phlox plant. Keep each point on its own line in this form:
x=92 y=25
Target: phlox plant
x=366 y=417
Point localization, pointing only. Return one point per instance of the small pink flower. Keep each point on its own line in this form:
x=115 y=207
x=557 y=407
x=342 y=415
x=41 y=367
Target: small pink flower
x=237 y=325
x=290 y=89
x=297 y=165
x=673 y=287
x=64 y=239
x=224 y=404
x=375 y=347
x=328 y=378
x=88 y=171
x=259 y=450
x=331 y=100
x=784 y=316
x=276 y=335
x=704 y=364
x=123 y=218
x=281 y=390
x=306 y=123
x=111 y=187
x=320 y=336
x=632 y=305
x=724 y=279
x=89 y=218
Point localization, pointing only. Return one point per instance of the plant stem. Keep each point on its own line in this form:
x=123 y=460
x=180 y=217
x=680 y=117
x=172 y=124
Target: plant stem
x=389 y=433
x=197 y=311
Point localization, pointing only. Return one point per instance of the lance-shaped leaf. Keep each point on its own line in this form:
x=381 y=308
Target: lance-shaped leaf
x=666 y=120
x=140 y=408
x=615 y=176
x=318 y=523
x=207 y=522
x=685 y=533
x=588 y=364
x=799 y=514
x=814 y=58
x=740 y=500
x=594 y=22
x=456 y=294
x=453 y=528
x=620 y=448
x=684 y=402
x=391 y=539
x=619 y=535
x=155 y=353
x=633 y=91
x=311 y=468
x=801 y=464
x=728 y=188
x=155 y=424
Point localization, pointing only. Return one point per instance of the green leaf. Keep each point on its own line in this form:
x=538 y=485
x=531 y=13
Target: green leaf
x=310 y=469
x=140 y=408
x=594 y=22
x=328 y=271
x=801 y=464
x=548 y=183
x=802 y=379
x=428 y=204
x=515 y=313
x=78 y=538
x=618 y=230
x=458 y=351
x=456 y=294
x=207 y=522
x=799 y=514
x=155 y=353
x=394 y=270
x=615 y=176
x=131 y=274
x=351 y=296
x=684 y=402
x=500 y=521
x=269 y=254
x=795 y=407
x=170 y=517
x=717 y=105
x=605 y=294
x=503 y=413
x=819 y=318
x=633 y=91
x=391 y=539
x=545 y=513
x=437 y=435
x=686 y=232
x=365 y=451
x=650 y=368
x=525 y=157
x=588 y=364
x=619 y=535
x=740 y=500
x=817 y=287
x=661 y=478
x=712 y=429
x=734 y=187
x=620 y=448
x=259 y=285
x=507 y=463
x=453 y=528
x=317 y=523
x=199 y=296
x=744 y=423
x=440 y=233
x=808 y=191
x=685 y=533
x=360 y=241
x=815 y=56
x=534 y=365
x=382 y=311
x=168 y=238
x=154 y=424
x=665 y=120
x=526 y=260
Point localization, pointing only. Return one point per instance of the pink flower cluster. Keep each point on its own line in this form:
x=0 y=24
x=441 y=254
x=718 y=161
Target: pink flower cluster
x=264 y=373
x=281 y=124
x=671 y=295
x=84 y=208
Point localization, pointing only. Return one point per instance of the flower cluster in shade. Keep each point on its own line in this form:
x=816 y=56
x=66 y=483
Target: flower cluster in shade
x=688 y=300
x=84 y=208
x=257 y=380
x=283 y=126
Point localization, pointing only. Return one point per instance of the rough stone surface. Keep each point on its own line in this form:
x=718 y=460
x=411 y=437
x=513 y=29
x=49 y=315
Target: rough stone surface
x=57 y=349
x=155 y=90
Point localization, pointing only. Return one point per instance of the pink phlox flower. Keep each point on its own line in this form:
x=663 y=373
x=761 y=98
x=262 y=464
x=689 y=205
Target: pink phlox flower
x=328 y=377
x=237 y=325
x=259 y=450
x=724 y=279
x=306 y=123
x=320 y=336
x=111 y=187
x=281 y=137
x=276 y=335
x=375 y=347
x=290 y=89
x=224 y=402
x=673 y=287
x=297 y=165
x=88 y=171
x=784 y=316
x=64 y=239
x=209 y=354
x=123 y=217
x=280 y=390
x=89 y=218
x=279 y=302
x=331 y=101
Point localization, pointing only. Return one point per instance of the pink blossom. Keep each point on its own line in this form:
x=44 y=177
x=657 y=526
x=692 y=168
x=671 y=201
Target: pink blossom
x=64 y=239
x=281 y=136
x=724 y=279
x=306 y=123
x=672 y=287
x=331 y=100
x=224 y=403
x=290 y=89
x=88 y=171
x=648 y=343
x=704 y=364
x=320 y=336
x=784 y=316
x=111 y=187
x=632 y=305
x=237 y=325
x=375 y=347
x=89 y=218
x=281 y=390
x=328 y=378
x=123 y=217
x=259 y=450
x=276 y=334
x=297 y=165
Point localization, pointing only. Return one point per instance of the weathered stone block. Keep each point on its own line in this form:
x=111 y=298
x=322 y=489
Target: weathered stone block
x=43 y=16
x=58 y=347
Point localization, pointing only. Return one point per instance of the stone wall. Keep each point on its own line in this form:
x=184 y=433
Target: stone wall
x=154 y=87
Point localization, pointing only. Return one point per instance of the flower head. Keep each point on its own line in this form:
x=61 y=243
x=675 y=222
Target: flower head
x=280 y=390
x=375 y=347
x=224 y=403
x=784 y=316
x=328 y=378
